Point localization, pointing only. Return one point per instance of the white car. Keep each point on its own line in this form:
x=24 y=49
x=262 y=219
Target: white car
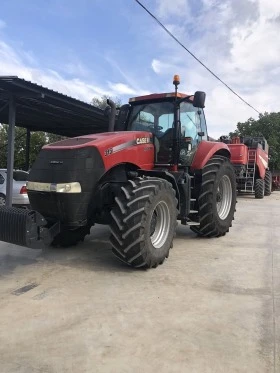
x=20 y=197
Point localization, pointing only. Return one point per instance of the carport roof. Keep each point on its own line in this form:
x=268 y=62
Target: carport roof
x=42 y=109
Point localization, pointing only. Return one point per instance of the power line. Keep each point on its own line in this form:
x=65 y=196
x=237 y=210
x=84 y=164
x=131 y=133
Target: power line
x=197 y=59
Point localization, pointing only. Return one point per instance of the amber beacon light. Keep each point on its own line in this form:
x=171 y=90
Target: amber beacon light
x=176 y=80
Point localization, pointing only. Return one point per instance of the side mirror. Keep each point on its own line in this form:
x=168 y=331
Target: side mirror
x=199 y=99
x=122 y=117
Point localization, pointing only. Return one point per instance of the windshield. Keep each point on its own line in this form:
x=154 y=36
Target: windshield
x=158 y=118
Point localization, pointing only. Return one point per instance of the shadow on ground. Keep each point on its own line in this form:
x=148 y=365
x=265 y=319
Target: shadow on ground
x=94 y=254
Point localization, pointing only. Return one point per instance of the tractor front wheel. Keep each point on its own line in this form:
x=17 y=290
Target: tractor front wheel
x=267 y=183
x=217 y=198
x=259 y=188
x=144 y=220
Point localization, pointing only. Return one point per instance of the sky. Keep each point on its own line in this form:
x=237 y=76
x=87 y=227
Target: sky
x=89 y=48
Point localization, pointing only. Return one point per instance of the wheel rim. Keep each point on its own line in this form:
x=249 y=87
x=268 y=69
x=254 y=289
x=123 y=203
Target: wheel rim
x=2 y=201
x=160 y=224
x=224 y=197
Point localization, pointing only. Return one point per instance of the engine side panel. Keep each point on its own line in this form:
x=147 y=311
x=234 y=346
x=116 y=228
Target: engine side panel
x=239 y=153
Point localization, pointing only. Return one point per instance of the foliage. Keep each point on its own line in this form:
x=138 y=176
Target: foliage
x=52 y=138
x=101 y=102
x=268 y=125
x=37 y=141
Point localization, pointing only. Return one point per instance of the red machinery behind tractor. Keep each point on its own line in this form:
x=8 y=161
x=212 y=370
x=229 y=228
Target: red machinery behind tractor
x=276 y=181
x=249 y=155
x=153 y=167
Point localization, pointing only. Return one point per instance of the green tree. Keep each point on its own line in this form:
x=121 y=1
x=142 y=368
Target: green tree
x=52 y=137
x=101 y=102
x=37 y=140
x=268 y=125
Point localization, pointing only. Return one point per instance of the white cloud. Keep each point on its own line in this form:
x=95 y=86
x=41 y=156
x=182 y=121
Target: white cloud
x=238 y=40
x=160 y=67
x=269 y=9
x=22 y=64
x=124 y=89
x=77 y=68
x=167 y=8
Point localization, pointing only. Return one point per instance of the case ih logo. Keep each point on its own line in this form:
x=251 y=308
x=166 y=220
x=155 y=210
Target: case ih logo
x=56 y=162
x=118 y=148
x=142 y=140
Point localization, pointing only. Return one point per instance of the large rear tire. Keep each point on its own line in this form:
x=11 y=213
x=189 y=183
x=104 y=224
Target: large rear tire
x=267 y=183
x=217 y=198
x=259 y=188
x=144 y=220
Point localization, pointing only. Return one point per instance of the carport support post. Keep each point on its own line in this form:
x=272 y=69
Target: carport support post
x=27 y=150
x=11 y=150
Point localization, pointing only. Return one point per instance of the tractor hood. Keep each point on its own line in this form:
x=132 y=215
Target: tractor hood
x=134 y=147
x=102 y=140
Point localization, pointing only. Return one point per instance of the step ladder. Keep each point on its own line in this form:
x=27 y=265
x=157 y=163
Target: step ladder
x=250 y=172
x=189 y=221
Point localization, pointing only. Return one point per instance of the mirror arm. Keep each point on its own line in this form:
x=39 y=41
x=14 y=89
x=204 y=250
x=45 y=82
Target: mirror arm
x=178 y=102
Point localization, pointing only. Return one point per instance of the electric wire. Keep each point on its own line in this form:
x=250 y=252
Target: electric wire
x=196 y=58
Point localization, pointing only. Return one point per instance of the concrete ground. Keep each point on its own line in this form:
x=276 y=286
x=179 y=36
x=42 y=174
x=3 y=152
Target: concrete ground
x=214 y=306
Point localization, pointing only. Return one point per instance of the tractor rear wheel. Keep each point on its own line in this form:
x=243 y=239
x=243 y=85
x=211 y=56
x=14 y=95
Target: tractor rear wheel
x=217 y=198
x=267 y=183
x=144 y=219
x=259 y=188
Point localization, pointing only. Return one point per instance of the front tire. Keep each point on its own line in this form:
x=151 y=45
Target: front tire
x=217 y=198
x=259 y=188
x=267 y=183
x=144 y=220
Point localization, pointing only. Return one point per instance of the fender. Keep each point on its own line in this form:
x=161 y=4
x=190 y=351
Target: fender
x=262 y=162
x=162 y=175
x=206 y=150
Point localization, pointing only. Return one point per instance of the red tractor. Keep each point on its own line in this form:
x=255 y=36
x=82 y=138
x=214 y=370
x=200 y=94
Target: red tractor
x=153 y=167
x=249 y=155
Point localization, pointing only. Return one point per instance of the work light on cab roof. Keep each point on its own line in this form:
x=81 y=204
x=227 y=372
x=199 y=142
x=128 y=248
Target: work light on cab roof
x=176 y=80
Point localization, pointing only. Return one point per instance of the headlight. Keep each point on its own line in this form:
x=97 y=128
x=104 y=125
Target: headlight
x=55 y=188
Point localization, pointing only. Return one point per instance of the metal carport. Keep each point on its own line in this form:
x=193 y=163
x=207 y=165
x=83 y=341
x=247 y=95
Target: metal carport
x=37 y=108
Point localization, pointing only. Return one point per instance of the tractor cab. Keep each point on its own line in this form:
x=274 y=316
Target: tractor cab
x=175 y=119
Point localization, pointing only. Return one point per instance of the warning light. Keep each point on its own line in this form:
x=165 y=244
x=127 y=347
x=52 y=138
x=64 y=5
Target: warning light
x=176 y=80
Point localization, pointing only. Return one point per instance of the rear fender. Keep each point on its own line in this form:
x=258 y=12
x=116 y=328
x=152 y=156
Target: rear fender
x=262 y=163
x=206 y=150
